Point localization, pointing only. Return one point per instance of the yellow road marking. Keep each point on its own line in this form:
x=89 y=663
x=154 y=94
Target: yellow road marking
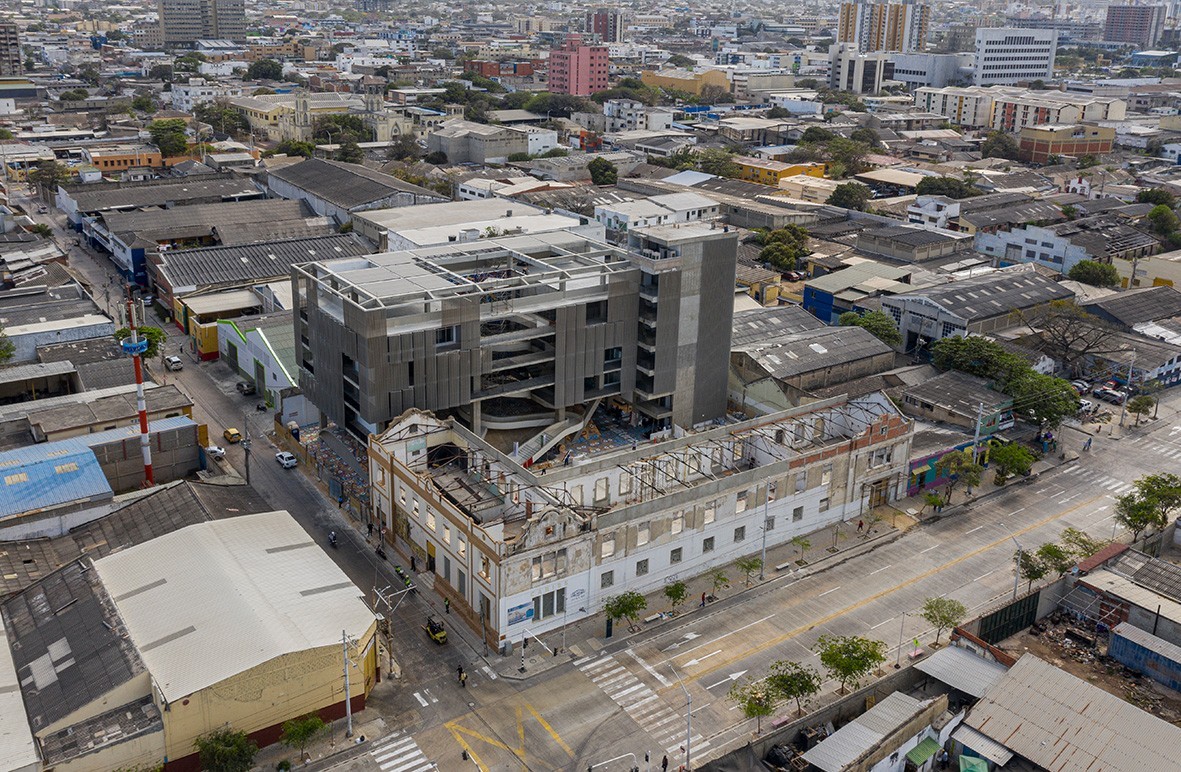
x=460 y=733
x=883 y=593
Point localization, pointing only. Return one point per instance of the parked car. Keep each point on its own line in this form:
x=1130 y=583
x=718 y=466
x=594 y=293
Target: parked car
x=42 y=209
x=286 y=460
x=1111 y=395
x=216 y=451
x=245 y=388
x=173 y=363
x=232 y=435
x=1082 y=387
x=1085 y=405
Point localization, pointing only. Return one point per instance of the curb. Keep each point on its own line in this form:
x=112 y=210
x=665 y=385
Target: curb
x=966 y=506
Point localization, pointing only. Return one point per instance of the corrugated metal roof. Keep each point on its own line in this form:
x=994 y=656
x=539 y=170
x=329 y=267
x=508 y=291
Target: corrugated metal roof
x=1064 y=724
x=866 y=731
x=982 y=744
x=962 y=670
x=1149 y=641
x=257 y=580
x=49 y=482
x=212 y=266
x=17 y=748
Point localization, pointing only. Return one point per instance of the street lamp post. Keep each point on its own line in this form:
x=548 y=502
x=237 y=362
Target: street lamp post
x=766 y=520
x=901 y=628
x=1016 y=567
x=688 y=720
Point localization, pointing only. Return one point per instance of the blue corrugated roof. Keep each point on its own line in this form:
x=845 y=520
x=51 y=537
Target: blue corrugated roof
x=52 y=473
x=48 y=482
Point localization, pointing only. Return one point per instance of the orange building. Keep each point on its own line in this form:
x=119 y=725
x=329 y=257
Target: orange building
x=1040 y=143
x=114 y=158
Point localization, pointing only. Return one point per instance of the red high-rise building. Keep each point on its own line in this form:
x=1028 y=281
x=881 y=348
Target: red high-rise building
x=578 y=69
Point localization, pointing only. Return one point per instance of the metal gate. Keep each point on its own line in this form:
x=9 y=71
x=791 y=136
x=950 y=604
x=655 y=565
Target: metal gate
x=1012 y=619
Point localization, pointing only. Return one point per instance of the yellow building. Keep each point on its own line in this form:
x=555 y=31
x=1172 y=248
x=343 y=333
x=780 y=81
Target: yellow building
x=808 y=188
x=113 y=158
x=243 y=622
x=767 y=172
x=685 y=80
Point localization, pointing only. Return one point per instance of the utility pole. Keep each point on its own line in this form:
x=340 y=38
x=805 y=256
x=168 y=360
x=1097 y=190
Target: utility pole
x=976 y=436
x=1123 y=406
x=1016 y=567
x=901 y=628
x=348 y=702
x=246 y=443
x=763 y=559
x=688 y=720
x=136 y=348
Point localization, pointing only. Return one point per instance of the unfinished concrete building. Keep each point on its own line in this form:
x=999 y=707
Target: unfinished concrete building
x=529 y=331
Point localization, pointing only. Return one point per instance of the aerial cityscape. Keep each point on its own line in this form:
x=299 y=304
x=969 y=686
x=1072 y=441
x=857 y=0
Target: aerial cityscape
x=622 y=387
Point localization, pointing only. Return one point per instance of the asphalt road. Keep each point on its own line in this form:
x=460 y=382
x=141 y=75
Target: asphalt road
x=624 y=697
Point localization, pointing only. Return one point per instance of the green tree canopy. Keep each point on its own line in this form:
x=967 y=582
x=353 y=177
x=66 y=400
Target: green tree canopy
x=1094 y=273
x=602 y=172
x=294 y=147
x=265 y=69
x=169 y=136
x=850 y=195
x=298 y=732
x=222 y=117
x=748 y=566
x=1164 y=220
x=350 y=152
x=1141 y=405
x=817 y=134
x=627 y=605
x=879 y=323
x=1156 y=196
x=1010 y=459
x=755 y=698
x=679 y=60
x=676 y=592
x=849 y=658
x=943 y=614
x=1000 y=145
x=977 y=356
x=1031 y=567
x=715 y=160
x=959 y=469
x=226 y=750
x=1055 y=558
x=946 y=186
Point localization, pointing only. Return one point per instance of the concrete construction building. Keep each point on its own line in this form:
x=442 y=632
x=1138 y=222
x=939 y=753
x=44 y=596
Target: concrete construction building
x=184 y=22
x=632 y=114
x=577 y=68
x=1139 y=25
x=521 y=551
x=1060 y=247
x=932 y=70
x=470 y=142
x=860 y=73
x=11 y=64
x=880 y=25
x=147 y=648
x=536 y=323
x=1008 y=56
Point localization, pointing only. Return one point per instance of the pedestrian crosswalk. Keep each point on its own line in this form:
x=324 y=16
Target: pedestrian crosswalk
x=1168 y=451
x=638 y=700
x=1112 y=485
x=399 y=753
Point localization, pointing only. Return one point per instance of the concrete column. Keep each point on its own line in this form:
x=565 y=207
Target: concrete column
x=476 y=418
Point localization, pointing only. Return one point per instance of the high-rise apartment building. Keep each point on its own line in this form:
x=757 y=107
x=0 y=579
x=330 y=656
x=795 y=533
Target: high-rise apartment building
x=1007 y=56
x=492 y=330
x=186 y=21
x=577 y=68
x=860 y=73
x=879 y=25
x=10 y=50
x=606 y=24
x=1140 y=25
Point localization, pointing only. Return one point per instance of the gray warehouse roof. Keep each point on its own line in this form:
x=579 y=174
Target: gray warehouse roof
x=212 y=266
x=840 y=749
x=106 y=196
x=346 y=185
x=962 y=670
x=1062 y=723
x=201 y=219
x=761 y=324
x=960 y=393
x=993 y=294
x=791 y=355
x=1140 y=305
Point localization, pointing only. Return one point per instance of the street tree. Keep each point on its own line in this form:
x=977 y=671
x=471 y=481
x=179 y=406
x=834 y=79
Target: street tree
x=48 y=176
x=222 y=117
x=1141 y=405
x=1055 y=558
x=294 y=147
x=1030 y=566
x=603 y=172
x=943 y=613
x=755 y=698
x=1134 y=513
x=627 y=605
x=849 y=658
x=404 y=147
x=976 y=355
x=676 y=592
x=1080 y=544
x=1000 y=145
x=1162 y=492
x=794 y=681
x=878 y=323
x=1010 y=460
x=1070 y=334
x=1163 y=220
x=850 y=195
x=932 y=499
x=226 y=750
x=298 y=732
x=154 y=335
x=1094 y=273
x=802 y=544
x=718 y=580
x=959 y=469
x=1043 y=399
x=748 y=566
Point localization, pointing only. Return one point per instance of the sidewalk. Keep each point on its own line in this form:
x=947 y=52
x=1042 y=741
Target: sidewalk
x=824 y=549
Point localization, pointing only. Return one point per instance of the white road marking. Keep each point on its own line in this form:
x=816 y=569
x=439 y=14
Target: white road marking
x=421 y=700
x=977 y=528
x=879 y=624
x=928 y=549
x=883 y=568
x=650 y=670
x=826 y=592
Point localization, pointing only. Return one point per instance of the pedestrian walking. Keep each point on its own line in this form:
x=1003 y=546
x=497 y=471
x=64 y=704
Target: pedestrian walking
x=703 y=600
x=943 y=758
x=459 y=673
x=447 y=605
x=860 y=526
x=1087 y=444
x=370 y=527
x=463 y=680
x=413 y=564
x=664 y=764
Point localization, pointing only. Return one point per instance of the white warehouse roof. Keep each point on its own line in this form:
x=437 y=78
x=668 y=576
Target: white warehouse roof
x=212 y=600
